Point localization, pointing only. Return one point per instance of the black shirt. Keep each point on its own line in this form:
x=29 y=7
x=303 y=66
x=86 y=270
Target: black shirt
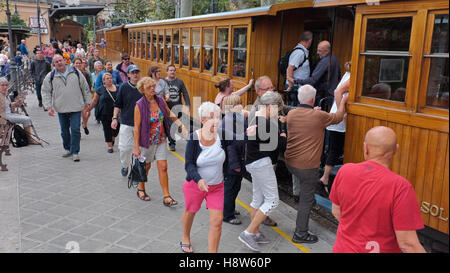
x=106 y=102
x=176 y=90
x=259 y=148
x=127 y=97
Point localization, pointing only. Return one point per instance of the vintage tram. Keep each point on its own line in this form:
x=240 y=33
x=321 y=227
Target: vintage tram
x=400 y=44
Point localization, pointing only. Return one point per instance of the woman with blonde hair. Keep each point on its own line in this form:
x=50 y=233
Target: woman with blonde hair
x=151 y=131
x=106 y=96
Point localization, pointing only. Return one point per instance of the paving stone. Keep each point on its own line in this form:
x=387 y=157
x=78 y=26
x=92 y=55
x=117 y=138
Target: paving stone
x=42 y=219
x=110 y=236
x=86 y=230
x=43 y=235
x=65 y=238
x=62 y=210
x=157 y=246
x=46 y=248
x=118 y=249
x=133 y=241
x=65 y=224
x=104 y=220
x=126 y=226
x=28 y=244
x=92 y=246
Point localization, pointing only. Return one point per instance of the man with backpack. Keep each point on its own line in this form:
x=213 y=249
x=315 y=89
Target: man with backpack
x=39 y=69
x=66 y=92
x=298 y=66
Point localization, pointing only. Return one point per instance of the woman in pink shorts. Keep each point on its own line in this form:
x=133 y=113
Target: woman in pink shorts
x=205 y=156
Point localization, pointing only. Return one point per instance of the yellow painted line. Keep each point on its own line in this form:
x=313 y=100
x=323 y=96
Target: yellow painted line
x=277 y=230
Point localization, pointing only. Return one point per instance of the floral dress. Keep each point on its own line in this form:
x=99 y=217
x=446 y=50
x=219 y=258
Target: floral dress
x=157 y=135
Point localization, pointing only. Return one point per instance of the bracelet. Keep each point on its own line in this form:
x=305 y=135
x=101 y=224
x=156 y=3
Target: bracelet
x=114 y=117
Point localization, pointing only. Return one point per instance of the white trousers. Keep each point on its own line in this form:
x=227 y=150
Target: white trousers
x=265 y=187
x=126 y=144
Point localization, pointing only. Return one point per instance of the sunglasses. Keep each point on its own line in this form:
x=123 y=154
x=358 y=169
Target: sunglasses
x=126 y=59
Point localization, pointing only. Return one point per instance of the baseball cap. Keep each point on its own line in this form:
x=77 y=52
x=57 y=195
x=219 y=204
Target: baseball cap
x=132 y=68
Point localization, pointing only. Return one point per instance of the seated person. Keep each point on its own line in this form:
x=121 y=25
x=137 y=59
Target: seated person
x=380 y=91
x=15 y=118
x=399 y=94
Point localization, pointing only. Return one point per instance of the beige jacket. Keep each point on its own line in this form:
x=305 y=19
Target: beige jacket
x=66 y=95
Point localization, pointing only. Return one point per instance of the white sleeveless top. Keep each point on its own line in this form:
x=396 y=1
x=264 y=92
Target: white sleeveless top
x=210 y=162
x=340 y=127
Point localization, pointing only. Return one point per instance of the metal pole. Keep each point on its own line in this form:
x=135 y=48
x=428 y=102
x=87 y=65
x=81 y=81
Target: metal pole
x=13 y=67
x=39 y=22
x=95 y=31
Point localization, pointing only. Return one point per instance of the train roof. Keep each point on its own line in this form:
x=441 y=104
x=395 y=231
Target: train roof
x=270 y=10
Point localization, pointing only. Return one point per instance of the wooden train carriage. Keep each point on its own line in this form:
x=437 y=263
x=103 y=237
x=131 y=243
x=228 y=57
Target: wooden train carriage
x=400 y=80
x=239 y=45
x=399 y=54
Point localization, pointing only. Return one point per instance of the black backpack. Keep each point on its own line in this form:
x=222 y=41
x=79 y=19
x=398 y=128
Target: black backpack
x=284 y=61
x=19 y=137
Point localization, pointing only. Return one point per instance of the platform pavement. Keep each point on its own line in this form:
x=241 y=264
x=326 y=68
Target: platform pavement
x=47 y=201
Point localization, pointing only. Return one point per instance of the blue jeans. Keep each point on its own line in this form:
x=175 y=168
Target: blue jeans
x=70 y=131
x=38 y=92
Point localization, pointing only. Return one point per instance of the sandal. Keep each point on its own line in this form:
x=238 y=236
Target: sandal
x=171 y=203
x=188 y=246
x=143 y=197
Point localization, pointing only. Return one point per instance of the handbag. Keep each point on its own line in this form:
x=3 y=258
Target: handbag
x=137 y=173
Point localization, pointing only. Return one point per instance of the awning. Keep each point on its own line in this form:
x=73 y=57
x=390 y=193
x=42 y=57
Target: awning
x=15 y=29
x=60 y=9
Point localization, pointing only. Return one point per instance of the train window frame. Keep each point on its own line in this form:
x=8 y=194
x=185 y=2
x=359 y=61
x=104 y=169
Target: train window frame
x=138 y=44
x=194 y=47
x=143 y=44
x=362 y=55
x=154 y=45
x=176 y=47
x=427 y=57
x=204 y=47
x=160 y=45
x=168 y=46
x=134 y=44
x=183 y=48
x=149 y=45
x=233 y=49
x=217 y=48
x=130 y=43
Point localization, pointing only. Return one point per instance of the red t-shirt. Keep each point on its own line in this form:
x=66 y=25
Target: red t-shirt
x=374 y=202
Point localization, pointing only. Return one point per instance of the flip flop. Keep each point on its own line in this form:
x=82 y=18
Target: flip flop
x=171 y=203
x=187 y=246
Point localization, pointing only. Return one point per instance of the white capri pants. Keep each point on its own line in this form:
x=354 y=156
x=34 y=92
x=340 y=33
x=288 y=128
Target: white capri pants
x=20 y=119
x=126 y=144
x=265 y=187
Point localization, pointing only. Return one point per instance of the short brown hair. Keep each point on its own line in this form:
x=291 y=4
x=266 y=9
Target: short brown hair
x=152 y=70
x=222 y=85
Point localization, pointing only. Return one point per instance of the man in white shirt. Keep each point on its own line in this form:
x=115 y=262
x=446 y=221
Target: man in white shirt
x=298 y=68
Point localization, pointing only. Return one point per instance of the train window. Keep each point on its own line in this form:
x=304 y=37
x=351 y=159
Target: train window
x=161 y=45
x=149 y=44
x=222 y=49
x=130 y=43
x=139 y=48
x=154 y=53
x=143 y=45
x=185 y=46
x=387 y=58
x=176 y=46
x=196 y=48
x=168 y=45
x=239 y=51
x=134 y=45
x=438 y=91
x=208 y=36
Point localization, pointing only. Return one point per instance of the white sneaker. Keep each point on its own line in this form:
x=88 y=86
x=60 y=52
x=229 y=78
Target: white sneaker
x=76 y=158
x=66 y=154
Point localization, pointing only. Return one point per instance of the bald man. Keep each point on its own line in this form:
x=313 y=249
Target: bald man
x=376 y=208
x=325 y=76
